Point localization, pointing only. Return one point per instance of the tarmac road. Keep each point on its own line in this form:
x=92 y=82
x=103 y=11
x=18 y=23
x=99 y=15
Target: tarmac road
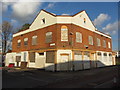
x=94 y=78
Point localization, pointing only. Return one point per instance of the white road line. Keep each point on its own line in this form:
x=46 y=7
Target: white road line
x=104 y=84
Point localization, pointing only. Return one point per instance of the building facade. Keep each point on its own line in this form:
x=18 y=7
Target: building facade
x=61 y=42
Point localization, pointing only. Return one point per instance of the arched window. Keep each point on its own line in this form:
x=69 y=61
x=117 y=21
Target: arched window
x=48 y=37
x=78 y=37
x=104 y=43
x=34 y=40
x=64 y=33
x=90 y=40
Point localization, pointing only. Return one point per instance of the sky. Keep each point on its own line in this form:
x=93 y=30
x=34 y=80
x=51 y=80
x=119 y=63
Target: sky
x=104 y=15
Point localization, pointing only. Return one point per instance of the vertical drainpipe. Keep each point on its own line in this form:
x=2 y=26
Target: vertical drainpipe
x=55 y=61
x=82 y=59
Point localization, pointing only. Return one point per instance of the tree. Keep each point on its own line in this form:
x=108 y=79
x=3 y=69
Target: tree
x=6 y=35
x=25 y=26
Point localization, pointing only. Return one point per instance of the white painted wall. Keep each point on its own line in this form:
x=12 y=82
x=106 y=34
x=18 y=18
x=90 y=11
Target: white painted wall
x=78 y=62
x=40 y=60
x=10 y=58
x=59 y=56
x=104 y=59
x=79 y=20
x=50 y=20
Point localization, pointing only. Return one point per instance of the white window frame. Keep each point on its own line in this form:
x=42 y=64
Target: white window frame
x=98 y=42
x=25 y=40
x=104 y=43
x=48 y=37
x=64 y=31
x=109 y=45
x=78 y=37
x=90 y=38
x=19 y=41
x=33 y=37
x=42 y=21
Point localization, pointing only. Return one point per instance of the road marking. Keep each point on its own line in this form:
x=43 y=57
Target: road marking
x=104 y=84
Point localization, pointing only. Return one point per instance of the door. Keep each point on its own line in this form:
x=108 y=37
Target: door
x=78 y=61
x=18 y=59
x=86 y=60
x=64 y=65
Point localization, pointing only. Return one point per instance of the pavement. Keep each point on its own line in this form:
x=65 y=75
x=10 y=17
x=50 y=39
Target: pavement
x=36 y=78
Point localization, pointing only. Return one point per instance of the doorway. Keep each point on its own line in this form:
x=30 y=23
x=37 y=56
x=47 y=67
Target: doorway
x=64 y=64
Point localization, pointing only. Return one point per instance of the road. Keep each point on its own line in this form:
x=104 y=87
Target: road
x=94 y=78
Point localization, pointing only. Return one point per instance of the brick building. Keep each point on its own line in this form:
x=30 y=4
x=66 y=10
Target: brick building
x=61 y=42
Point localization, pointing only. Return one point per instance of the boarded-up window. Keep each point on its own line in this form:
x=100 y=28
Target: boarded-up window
x=78 y=37
x=18 y=43
x=104 y=43
x=32 y=56
x=64 y=33
x=18 y=58
x=98 y=42
x=25 y=41
x=48 y=37
x=87 y=53
x=50 y=57
x=34 y=40
x=78 y=53
x=109 y=45
x=90 y=40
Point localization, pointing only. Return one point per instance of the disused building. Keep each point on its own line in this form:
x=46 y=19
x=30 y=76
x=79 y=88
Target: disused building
x=61 y=42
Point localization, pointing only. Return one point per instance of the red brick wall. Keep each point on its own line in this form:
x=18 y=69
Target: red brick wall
x=56 y=29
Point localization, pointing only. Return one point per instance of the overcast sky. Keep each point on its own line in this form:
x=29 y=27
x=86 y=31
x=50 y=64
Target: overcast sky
x=103 y=14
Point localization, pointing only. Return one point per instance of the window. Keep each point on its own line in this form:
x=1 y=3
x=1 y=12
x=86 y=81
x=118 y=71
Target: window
x=104 y=43
x=32 y=56
x=64 y=33
x=18 y=58
x=25 y=41
x=78 y=37
x=43 y=21
x=109 y=45
x=25 y=55
x=41 y=54
x=87 y=53
x=90 y=40
x=84 y=20
x=110 y=54
x=50 y=57
x=99 y=53
x=18 y=43
x=98 y=42
x=34 y=40
x=105 y=54
x=48 y=37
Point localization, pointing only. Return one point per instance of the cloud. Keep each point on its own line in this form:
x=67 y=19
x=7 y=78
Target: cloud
x=65 y=14
x=111 y=28
x=50 y=5
x=101 y=19
x=24 y=11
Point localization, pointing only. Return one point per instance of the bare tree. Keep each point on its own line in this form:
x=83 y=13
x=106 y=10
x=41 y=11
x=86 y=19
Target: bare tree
x=6 y=34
